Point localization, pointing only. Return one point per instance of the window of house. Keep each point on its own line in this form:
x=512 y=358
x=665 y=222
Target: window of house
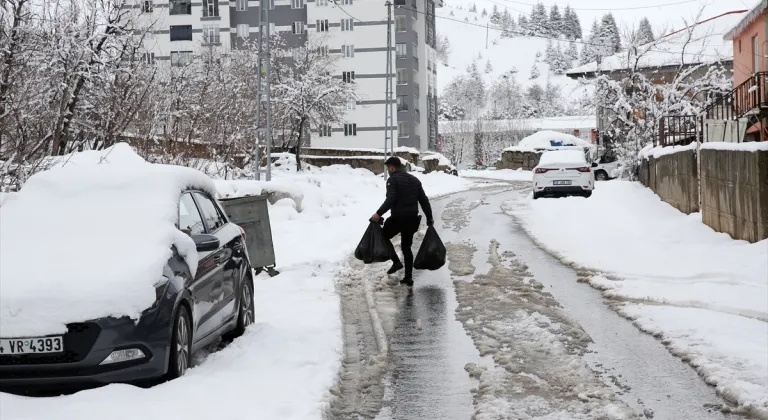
x=148 y=58
x=350 y=129
x=321 y=2
x=400 y=23
x=181 y=33
x=402 y=103
x=322 y=25
x=347 y=51
x=180 y=7
x=402 y=129
x=211 y=34
x=402 y=76
x=241 y=5
x=401 y=50
x=351 y=104
x=146 y=6
x=347 y=25
x=755 y=54
x=242 y=30
x=348 y=76
x=297 y=4
x=324 y=130
x=297 y=27
x=210 y=8
x=180 y=58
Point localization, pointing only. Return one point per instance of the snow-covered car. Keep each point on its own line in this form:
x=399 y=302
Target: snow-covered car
x=606 y=166
x=116 y=273
x=563 y=172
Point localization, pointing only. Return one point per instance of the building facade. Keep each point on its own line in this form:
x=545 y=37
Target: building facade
x=356 y=30
x=750 y=45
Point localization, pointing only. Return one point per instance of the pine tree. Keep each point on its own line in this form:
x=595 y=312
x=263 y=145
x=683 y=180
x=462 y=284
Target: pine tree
x=645 y=31
x=609 y=32
x=559 y=62
x=555 y=21
x=575 y=26
x=549 y=52
x=538 y=57
x=591 y=50
x=522 y=23
x=485 y=13
x=508 y=25
x=535 y=73
x=473 y=9
x=566 y=28
x=495 y=15
x=539 y=22
x=572 y=53
x=488 y=67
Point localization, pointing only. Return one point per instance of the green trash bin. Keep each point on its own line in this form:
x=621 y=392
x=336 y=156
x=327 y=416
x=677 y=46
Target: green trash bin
x=252 y=214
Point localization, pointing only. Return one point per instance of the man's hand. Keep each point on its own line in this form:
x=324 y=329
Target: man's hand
x=375 y=218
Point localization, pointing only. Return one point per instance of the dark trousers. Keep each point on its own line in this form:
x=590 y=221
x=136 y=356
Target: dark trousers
x=406 y=227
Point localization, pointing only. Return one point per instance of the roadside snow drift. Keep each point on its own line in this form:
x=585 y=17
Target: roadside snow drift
x=84 y=242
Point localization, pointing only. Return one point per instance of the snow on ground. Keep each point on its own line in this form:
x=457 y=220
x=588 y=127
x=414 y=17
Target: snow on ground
x=284 y=365
x=499 y=174
x=704 y=292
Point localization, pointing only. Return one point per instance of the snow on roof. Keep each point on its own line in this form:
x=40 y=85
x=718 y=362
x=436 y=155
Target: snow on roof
x=753 y=14
x=705 y=46
x=86 y=241
x=442 y=160
x=578 y=122
x=562 y=156
x=546 y=139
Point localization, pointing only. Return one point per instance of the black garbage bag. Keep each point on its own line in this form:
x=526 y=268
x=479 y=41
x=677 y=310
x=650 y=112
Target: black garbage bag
x=431 y=255
x=374 y=247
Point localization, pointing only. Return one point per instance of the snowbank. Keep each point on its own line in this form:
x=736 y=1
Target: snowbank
x=754 y=146
x=706 y=293
x=656 y=152
x=499 y=174
x=554 y=157
x=119 y=154
x=89 y=241
x=547 y=140
x=441 y=160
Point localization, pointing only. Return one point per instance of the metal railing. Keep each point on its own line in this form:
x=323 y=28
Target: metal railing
x=678 y=130
x=750 y=95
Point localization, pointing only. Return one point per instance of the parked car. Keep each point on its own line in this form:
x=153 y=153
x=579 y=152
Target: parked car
x=563 y=172
x=194 y=304
x=606 y=166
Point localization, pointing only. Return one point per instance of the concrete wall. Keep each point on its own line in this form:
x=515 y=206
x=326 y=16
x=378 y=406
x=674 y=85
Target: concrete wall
x=734 y=193
x=674 y=179
x=320 y=151
x=373 y=164
x=517 y=160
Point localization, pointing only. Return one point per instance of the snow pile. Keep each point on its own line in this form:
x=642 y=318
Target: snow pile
x=656 y=152
x=119 y=154
x=499 y=174
x=547 y=140
x=89 y=241
x=707 y=294
x=555 y=157
x=441 y=160
x=756 y=146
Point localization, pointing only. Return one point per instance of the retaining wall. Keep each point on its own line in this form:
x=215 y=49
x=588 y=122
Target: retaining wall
x=673 y=177
x=518 y=160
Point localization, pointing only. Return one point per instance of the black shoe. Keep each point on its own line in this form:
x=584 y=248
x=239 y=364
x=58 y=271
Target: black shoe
x=407 y=280
x=396 y=266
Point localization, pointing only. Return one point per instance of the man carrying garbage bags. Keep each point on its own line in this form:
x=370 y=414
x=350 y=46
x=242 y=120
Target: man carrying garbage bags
x=404 y=195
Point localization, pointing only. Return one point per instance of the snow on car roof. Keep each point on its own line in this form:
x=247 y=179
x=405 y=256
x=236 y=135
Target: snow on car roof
x=81 y=242
x=563 y=156
x=547 y=139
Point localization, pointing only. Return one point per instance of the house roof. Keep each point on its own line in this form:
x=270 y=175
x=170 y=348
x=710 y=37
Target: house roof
x=704 y=46
x=753 y=14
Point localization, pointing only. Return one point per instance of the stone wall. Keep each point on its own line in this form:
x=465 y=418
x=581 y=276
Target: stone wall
x=674 y=179
x=518 y=159
x=371 y=163
x=734 y=193
x=318 y=151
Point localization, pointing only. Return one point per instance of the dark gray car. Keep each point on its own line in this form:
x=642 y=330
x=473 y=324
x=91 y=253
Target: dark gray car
x=189 y=313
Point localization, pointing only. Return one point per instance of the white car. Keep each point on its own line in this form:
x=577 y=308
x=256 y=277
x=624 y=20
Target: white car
x=563 y=172
x=606 y=167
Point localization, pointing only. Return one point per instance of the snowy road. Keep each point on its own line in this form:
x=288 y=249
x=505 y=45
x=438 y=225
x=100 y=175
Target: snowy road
x=504 y=331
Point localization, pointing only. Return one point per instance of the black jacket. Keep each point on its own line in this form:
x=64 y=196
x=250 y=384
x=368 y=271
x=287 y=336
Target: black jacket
x=404 y=195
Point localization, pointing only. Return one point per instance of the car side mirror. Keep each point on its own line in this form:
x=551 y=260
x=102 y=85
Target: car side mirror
x=205 y=242
x=594 y=164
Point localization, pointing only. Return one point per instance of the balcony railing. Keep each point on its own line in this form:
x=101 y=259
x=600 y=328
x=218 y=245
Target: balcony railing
x=678 y=130
x=750 y=95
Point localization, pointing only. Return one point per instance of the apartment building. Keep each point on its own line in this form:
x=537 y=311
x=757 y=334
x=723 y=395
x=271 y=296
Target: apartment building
x=354 y=29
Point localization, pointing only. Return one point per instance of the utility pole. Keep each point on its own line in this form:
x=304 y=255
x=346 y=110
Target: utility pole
x=389 y=144
x=269 y=103
x=487 y=30
x=259 y=64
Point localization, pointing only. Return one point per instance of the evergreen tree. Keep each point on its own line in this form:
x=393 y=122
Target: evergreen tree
x=495 y=15
x=572 y=53
x=566 y=29
x=575 y=26
x=522 y=23
x=555 y=21
x=508 y=25
x=645 y=31
x=539 y=22
x=535 y=72
x=609 y=33
x=488 y=67
x=538 y=57
x=559 y=62
x=485 y=13
x=549 y=52
x=473 y=9
x=590 y=51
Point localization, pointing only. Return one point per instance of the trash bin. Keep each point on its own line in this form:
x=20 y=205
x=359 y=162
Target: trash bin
x=251 y=213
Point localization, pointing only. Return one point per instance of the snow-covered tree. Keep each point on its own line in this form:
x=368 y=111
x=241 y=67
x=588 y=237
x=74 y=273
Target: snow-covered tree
x=537 y=56
x=495 y=16
x=558 y=63
x=555 y=23
x=609 y=32
x=593 y=48
x=443 y=48
x=645 y=31
x=509 y=28
x=522 y=23
x=535 y=72
x=485 y=13
x=473 y=8
x=549 y=52
x=572 y=53
x=538 y=24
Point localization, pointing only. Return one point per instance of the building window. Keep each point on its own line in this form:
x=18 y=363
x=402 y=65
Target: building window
x=323 y=50
x=400 y=23
x=350 y=129
x=180 y=58
x=297 y=4
x=180 y=7
x=351 y=104
x=402 y=103
x=324 y=130
x=401 y=50
x=148 y=58
x=210 y=8
x=146 y=6
x=347 y=51
x=211 y=34
x=348 y=77
x=242 y=30
x=402 y=129
x=322 y=25
x=322 y=2
x=297 y=27
x=402 y=76
x=755 y=54
x=181 y=33
x=347 y=25
x=241 y=5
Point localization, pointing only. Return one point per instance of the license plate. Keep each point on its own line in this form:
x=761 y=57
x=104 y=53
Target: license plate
x=12 y=346
x=561 y=182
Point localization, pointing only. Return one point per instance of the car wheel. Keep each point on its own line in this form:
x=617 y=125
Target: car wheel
x=587 y=194
x=246 y=314
x=181 y=344
x=601 y=176
x=536 y=195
